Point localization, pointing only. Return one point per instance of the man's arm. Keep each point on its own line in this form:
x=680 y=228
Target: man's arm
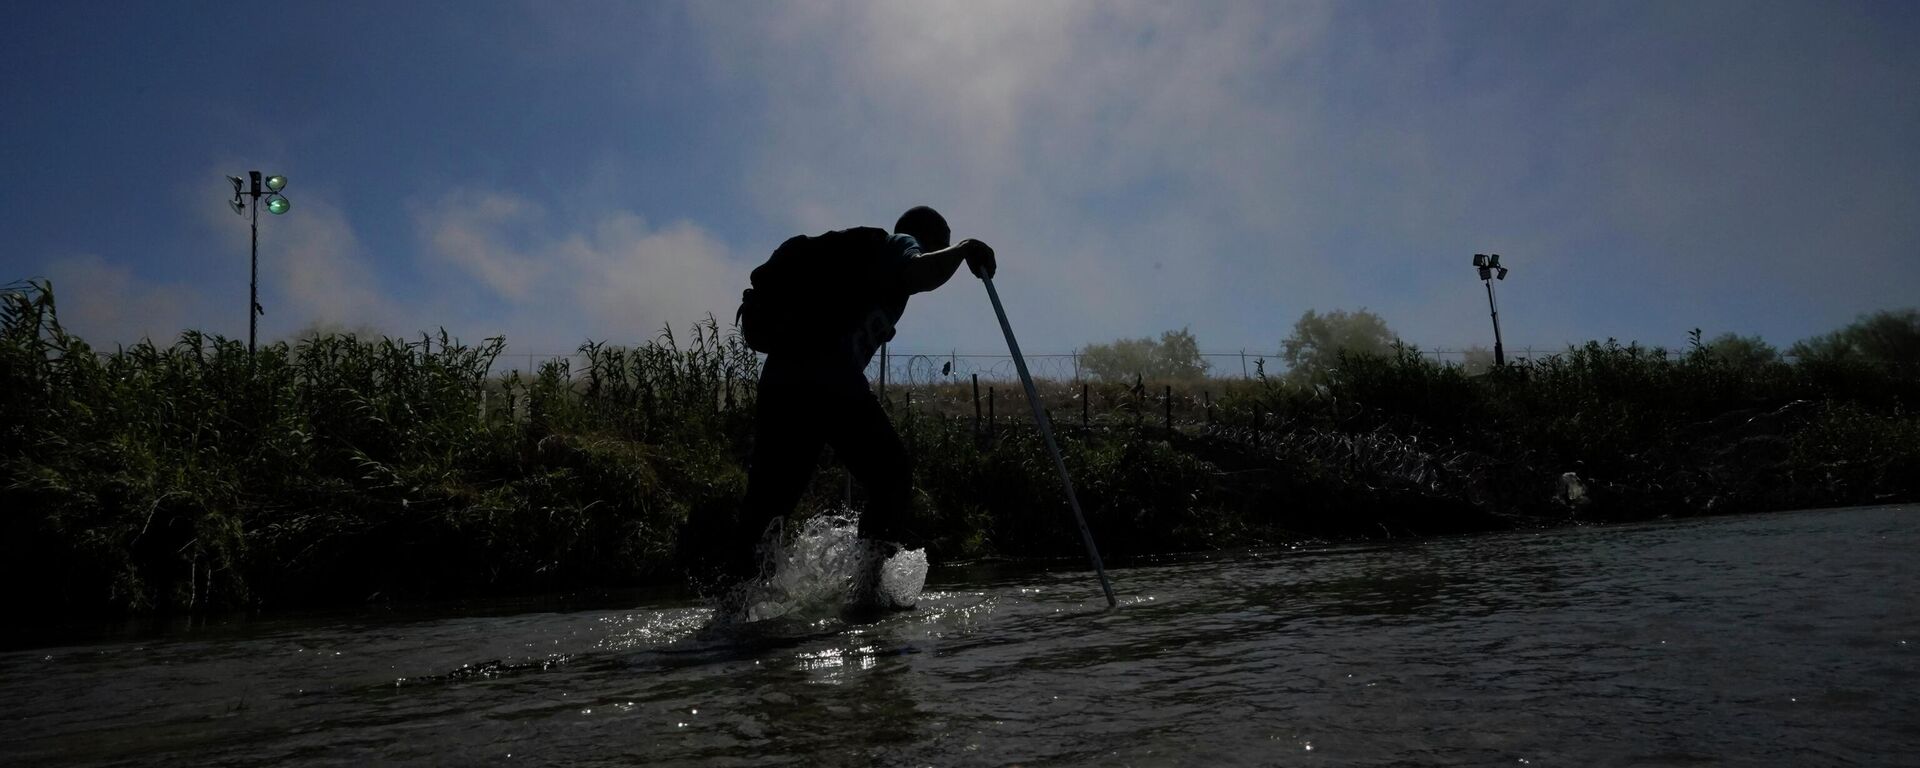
x=931 y=270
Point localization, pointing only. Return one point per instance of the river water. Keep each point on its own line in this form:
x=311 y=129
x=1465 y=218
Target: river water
x=1786 y=639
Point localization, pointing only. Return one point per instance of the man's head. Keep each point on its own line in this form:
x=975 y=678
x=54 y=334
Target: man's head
x=925 y=225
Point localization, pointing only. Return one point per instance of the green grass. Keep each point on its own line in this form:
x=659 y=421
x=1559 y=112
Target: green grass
x=338 y=469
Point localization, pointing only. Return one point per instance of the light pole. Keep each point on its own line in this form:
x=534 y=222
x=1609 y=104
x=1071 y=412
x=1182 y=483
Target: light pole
x=277 y=204
x=1490 y=270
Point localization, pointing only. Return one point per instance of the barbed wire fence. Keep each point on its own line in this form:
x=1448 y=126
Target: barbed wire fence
x=979 y=393
x=922 y=368
x=957 y=393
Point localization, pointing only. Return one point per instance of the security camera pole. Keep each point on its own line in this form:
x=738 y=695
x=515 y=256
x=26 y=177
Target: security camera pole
x=277 y=204
x=1490 y=270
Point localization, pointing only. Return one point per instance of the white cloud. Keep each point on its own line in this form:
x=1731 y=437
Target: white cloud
x=320 y=273
x=1120 y=156
x=548 y=286
x=107 y=304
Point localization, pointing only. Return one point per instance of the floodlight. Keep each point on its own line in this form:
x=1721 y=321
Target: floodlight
x=1490 y=270
x=276 y=204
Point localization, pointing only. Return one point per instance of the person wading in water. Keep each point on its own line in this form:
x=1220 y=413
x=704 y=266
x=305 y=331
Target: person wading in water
x=820 y=308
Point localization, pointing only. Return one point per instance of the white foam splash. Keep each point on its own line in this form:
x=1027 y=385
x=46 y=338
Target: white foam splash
x=813 y=574
x=903 y=576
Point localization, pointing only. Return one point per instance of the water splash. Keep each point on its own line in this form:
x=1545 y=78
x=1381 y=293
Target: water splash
x=813 y=575
x=903 y=576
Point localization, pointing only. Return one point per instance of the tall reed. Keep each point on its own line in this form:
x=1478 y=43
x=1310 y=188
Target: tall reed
x=336 y=468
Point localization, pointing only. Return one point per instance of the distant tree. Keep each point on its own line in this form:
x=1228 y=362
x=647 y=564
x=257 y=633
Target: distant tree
x=1119 y=360
x=1318 y=339
x=1476 y=359
x=1741 y=351
x=1179 y=356
x=1887 y=336
x=324 y=328
x=1174 y=357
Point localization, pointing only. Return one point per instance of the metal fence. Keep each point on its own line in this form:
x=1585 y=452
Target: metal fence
x=923 y=368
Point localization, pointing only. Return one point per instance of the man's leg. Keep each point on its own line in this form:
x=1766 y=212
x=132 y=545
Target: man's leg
x=786 y=445
x=863 y=437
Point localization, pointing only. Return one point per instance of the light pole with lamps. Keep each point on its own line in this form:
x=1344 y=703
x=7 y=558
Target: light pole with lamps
x=1490 y=270
x=277 y=204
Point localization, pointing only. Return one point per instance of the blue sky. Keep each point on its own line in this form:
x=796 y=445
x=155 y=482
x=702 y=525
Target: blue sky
x=557 y=171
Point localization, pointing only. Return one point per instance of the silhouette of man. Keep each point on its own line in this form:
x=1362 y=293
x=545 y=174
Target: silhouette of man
x=821 y=396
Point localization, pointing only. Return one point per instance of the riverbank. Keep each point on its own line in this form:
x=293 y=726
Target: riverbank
x=339 y=470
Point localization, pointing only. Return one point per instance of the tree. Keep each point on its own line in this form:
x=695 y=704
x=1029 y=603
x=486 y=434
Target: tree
x=1175 y=357
x=1317 y=340
x=324 y=328
x=1741 y=351
x=1887 y=336
x=1476 y=359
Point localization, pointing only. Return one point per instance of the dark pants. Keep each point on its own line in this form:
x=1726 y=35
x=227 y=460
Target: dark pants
x=802 y=406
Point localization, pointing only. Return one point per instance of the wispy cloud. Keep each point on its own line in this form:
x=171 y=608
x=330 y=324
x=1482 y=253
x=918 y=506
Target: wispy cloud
x=322 y=274
x=107 y=304
x=548 y=285
x=1106 y=149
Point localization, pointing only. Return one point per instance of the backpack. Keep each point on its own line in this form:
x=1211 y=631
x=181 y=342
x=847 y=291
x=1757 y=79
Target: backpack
x=811 y=292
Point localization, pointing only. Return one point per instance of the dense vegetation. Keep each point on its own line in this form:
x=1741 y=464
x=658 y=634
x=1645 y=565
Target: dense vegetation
x=341 y=469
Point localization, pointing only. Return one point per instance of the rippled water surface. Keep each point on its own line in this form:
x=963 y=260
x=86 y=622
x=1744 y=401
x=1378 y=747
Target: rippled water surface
x=1771 y=640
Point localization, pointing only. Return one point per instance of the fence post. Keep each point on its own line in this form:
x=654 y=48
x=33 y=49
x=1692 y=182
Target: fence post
x=1207 y=398
x=1167 y=404
x=976 y=407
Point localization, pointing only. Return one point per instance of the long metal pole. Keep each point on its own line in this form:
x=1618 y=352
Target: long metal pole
x=1046 y=433
x=1499 y=355
x=253 y=283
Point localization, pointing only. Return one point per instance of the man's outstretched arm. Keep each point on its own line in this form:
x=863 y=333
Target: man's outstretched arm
x=931 y=270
